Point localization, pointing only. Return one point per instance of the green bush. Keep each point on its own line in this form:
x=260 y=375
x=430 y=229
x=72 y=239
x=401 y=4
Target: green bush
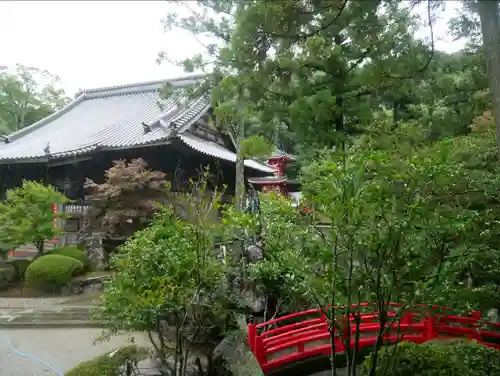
x=72 y=252
x=51 y=271
x=4 y=276
x=110 y=363
x=20 y=266
x=437 y=358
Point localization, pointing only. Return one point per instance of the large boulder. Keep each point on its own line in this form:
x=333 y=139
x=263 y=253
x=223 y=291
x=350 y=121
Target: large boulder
x=233 y=355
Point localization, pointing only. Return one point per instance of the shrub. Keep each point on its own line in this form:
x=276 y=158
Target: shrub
x=479 y=360
x=110 y=363
x=27 y=217
x=51 y=271
x=20 y=266
x=4 y=275
x=7 y=272
x=73 y=252
x=437 y=358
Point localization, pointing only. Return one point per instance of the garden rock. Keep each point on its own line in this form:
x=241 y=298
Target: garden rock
x=254 y=253
x=492 y=315
x=234 y=357
x=85 y=285
x=254 y=300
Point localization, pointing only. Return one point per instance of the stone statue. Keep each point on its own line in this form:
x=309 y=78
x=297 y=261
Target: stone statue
x=92 y=246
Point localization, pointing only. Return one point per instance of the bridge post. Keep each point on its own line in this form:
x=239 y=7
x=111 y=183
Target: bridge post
x=259 y=350
x=430 y=327
x=406 y=318
x=252 y=332
x=476 y=314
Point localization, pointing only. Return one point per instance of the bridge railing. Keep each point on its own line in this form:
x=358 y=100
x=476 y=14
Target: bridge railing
x=277 y=342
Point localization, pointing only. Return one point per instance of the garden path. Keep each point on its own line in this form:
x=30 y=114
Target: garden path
x=60 y=348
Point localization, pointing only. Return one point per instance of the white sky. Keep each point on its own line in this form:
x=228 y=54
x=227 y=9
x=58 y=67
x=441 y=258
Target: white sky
x=99 y=43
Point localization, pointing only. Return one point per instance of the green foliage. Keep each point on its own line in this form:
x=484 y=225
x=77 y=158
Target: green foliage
x=49 y=271
x=162 y=271
x=285 y=71
x=26 y=215
x=466 y=24
x=27 y=95
x=4 y=276
x=20 y=266
x=110 y=364
x=421 y=217
x=255 y=147
x=4 y=248
x=291 y=73
x=287 y=239
x=170 y=273
x=438 y=358
x=395 y=140
x=72 y=252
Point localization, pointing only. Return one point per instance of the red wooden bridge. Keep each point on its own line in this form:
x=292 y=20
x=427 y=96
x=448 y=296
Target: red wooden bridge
x=283 y=341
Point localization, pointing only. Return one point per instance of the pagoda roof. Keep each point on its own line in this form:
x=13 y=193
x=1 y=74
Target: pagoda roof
x=277 y=153
x=114 y=118
x=271 y=180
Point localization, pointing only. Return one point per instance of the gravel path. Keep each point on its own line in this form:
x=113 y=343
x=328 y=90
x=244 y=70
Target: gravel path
x=61 y=348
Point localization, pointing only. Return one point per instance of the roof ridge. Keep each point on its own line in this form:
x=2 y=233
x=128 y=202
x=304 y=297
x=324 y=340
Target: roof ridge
x=146 y=85
x=128 y=89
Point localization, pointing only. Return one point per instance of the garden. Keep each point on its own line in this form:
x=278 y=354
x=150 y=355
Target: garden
x=397 y=149
x=27 y=219
x=381 y=226
x=415 y=226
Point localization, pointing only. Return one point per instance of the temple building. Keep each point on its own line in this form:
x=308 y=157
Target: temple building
x=174 y=135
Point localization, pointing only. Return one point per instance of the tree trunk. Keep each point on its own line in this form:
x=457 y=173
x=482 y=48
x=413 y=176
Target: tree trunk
x=39 y=246
x=488 y=13
x=240 y=169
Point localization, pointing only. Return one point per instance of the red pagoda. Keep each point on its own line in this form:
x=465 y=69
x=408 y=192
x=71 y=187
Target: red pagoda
x=278 y=183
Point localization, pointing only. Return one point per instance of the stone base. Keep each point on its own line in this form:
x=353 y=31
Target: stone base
x=82 y=286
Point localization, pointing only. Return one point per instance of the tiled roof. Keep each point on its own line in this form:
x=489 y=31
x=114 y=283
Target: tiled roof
x=112 y=118
x=280 y=153
x=216 y=150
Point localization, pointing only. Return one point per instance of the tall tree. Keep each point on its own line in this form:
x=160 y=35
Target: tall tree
x=27 y=95
x=302 y=73
x=467 y=25
x=27 y=215
x=453 y=91
x=126 y=201
x=490 y=28
x=212 y=25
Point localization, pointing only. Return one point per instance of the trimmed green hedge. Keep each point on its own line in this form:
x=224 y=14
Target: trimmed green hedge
x=110 y=363
x=437 y=358
x=51 y=271
x=72 y=252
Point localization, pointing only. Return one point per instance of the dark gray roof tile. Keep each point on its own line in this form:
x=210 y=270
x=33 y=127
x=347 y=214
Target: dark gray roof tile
x=115 y=118
x=105 y=118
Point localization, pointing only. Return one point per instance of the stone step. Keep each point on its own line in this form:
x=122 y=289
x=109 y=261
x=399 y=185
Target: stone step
x=47 y=316
x=49 y=324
